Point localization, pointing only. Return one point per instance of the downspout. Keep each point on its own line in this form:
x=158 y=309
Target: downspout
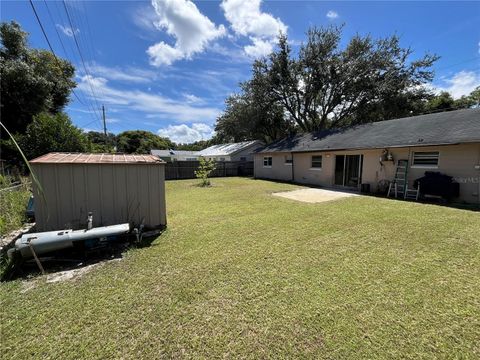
x=293 y=172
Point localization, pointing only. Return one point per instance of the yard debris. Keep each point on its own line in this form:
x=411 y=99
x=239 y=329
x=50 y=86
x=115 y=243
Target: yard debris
x=10 y=238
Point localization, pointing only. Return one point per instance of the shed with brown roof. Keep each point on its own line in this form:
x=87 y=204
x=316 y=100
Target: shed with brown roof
x=115 y=188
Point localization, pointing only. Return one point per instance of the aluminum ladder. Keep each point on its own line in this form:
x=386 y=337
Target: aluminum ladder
x=412 y=194
x=398 y=187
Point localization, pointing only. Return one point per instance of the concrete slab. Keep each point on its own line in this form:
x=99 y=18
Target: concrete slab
x=314 y=195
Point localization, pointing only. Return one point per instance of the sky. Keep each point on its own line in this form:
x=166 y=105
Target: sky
x=167 y=66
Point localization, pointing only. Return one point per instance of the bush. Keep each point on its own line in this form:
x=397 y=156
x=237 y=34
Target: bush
x=204 y=170
x=12 y=206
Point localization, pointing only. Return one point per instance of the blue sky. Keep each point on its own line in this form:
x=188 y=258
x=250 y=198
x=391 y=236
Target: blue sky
x=167 y=66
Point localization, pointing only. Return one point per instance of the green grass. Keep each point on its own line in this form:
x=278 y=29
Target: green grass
x=242 y=274
x=12 y=209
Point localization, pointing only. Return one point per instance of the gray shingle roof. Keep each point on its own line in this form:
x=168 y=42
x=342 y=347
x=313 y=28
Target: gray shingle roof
x=451 y=127
x=227 y=149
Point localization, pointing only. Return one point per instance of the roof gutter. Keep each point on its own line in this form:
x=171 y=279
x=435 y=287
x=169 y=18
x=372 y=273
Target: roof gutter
x=368 y=148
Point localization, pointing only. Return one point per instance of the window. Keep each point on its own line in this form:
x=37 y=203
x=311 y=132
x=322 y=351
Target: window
x=243 y=158
x=425 y=159
x=317 y=162
x=267 y=161
x=288 y=160
x=222 y=159
x=191 y=159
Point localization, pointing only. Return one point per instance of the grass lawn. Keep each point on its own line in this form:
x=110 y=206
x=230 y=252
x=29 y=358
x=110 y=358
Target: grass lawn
x=242 y=274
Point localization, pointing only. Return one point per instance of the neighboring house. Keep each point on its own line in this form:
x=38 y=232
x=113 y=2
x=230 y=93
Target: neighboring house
x=242 y=151
x=175 y=155
x=447 y=142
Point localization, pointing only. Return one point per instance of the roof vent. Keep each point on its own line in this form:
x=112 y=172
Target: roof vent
x=420 y=140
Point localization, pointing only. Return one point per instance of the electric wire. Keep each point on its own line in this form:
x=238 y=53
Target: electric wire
x=51 y=48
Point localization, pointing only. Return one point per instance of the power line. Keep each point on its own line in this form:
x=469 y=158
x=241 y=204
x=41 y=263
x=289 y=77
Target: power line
x=459 y=63
x=86 y=36
x=63 y=46
x=81 y=56
x=51 y=48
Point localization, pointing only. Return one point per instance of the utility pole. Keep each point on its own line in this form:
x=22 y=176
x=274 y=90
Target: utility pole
x=104 y=123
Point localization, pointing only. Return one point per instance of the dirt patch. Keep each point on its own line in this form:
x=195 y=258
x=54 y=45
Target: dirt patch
x=314 y=195
x=74 y=273
x=66 y=275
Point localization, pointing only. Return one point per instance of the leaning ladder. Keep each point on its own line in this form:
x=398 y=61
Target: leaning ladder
x=399 y=184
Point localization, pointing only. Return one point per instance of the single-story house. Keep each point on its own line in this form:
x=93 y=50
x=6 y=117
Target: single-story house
x=241 y=151
x=175 y=155
x=446 y=142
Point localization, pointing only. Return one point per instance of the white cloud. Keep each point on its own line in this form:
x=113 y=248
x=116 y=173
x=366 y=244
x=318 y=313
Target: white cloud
x=186 y=134
x=67 y=30
x=157 y=105
x=192 y=99
x=332 y=14
x=129 y=74
x=192 y=31
x=145 y=18
x=246 y=19
x=462 y=83
x=259 y=48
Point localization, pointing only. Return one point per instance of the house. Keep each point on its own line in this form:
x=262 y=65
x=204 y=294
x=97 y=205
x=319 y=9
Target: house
x=447 y=142
x=241 y=151
x=115 y=188
x=175 y=155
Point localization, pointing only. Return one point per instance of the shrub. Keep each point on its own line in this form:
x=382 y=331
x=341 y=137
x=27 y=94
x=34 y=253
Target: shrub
x=204 y=170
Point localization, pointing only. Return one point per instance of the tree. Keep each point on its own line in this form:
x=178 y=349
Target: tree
x=141 y=142
x=204 y=170
x=442 y=101
x=471 y=100
x=198 y=145
x=52 y=133
x=255 y=113
x=368 y=80
x=32 y=81
x=102 y=143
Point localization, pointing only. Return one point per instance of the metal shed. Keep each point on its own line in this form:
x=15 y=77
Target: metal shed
x=116 y=188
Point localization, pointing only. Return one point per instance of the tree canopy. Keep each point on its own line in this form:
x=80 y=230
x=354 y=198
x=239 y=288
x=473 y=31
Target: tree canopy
x=255 y=113
x=32 y=81
x=52 y=133
x=141 y=142
x=326 y=85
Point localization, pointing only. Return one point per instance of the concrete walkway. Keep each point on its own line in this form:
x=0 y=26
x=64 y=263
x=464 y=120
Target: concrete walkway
x=314 y=195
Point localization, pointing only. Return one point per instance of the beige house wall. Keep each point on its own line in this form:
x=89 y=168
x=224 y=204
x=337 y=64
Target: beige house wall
x=278 y=171
x=114 y=193
x=459 y=161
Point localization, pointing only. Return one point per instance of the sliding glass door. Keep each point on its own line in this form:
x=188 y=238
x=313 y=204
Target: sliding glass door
x=348 y=170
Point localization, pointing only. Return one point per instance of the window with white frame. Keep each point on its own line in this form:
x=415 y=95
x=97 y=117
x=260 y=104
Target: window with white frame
x=316 y=162
x=425 y=159
x=267 y=161
x=288 y=160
